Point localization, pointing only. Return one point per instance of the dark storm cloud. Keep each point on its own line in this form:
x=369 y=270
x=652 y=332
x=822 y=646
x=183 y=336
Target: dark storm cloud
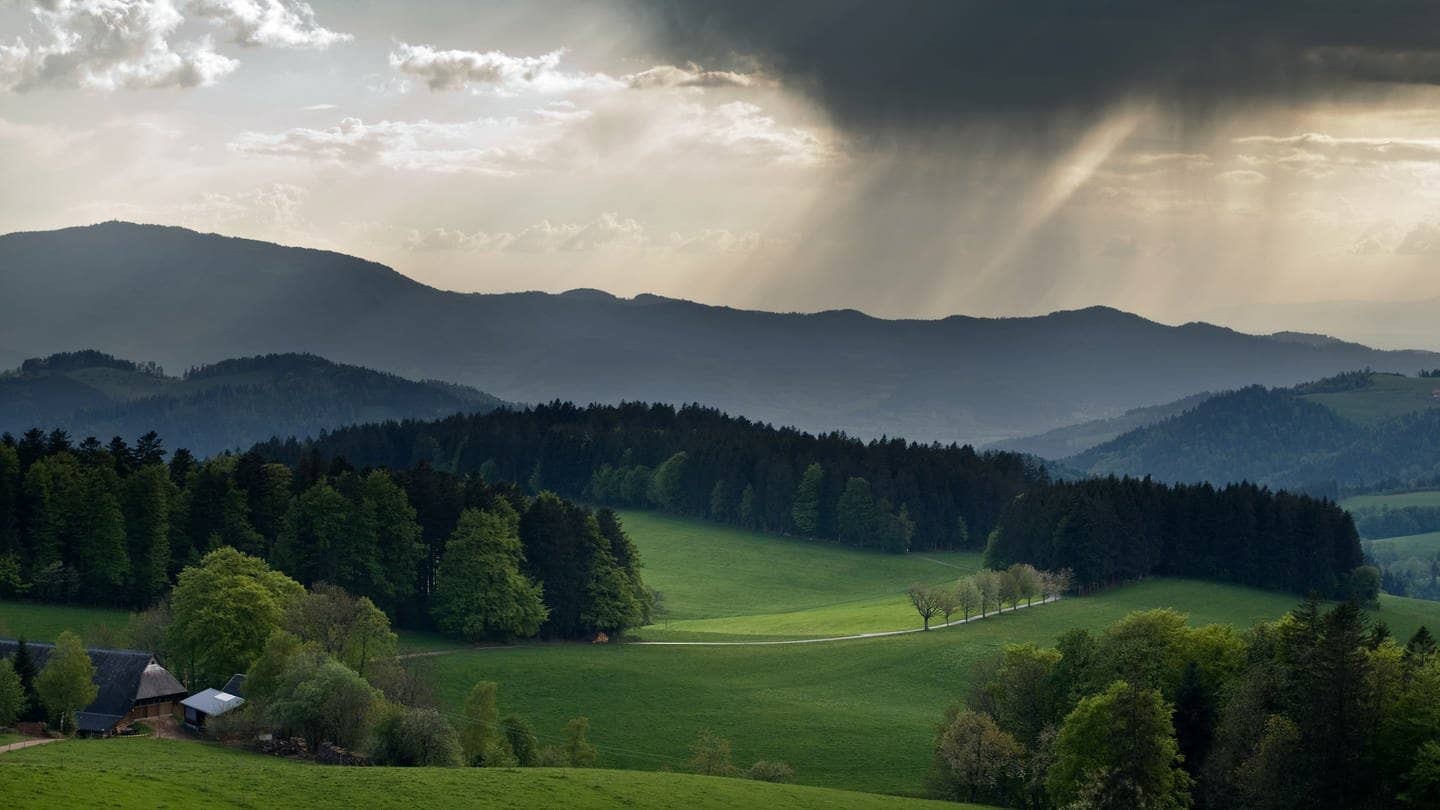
x=899 y=64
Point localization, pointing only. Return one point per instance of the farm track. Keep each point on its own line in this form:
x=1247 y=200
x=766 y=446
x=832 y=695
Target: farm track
x=773 y=643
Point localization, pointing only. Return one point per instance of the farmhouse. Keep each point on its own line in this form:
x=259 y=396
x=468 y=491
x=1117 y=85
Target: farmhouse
x=201 y=706
x=132 y=686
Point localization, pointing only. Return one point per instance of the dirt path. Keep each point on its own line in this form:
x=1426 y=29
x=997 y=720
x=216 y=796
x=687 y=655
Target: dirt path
x=27 y=743
x=823 y=639
x=817 y=640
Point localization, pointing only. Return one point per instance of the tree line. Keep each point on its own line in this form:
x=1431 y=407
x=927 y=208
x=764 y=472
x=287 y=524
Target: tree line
x=985 y=591
x=1319 y=709
x=116 y=525
x=698 y=462
x=1112 y=530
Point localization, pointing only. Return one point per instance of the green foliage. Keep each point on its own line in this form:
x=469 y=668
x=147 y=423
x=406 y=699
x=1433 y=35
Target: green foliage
x=667 y=487
x=480 y=592
x=348 y=627
x=224 y=610
x=13 y=700
x=320 y=699
x=765 y=770
x=974 y=759
x=521 y=739
x=805 y=510
x=1117 y=751
x=414 y=737
x=66 y=684
x=710 y=755
x=578 y=751
x=482 y=738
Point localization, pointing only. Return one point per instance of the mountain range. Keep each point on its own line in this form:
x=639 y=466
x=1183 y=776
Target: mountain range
x=228 y=405
x=183 y=298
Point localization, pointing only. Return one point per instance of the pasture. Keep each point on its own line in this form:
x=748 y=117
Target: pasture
x=146 y=772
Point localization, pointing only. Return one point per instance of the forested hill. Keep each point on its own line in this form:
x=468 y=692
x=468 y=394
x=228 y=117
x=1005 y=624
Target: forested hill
x=226 y=405
x=1074 y=439
x=181 y=298
x=890 y=495
x=1354 y=431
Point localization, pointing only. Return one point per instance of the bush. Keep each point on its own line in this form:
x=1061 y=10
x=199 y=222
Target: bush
x=550 y=757
x=770 y=771
x=414 y=737
x=710 y=755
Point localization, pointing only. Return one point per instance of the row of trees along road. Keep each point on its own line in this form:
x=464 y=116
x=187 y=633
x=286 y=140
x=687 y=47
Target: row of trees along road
x=985 y=591
x=115 y=525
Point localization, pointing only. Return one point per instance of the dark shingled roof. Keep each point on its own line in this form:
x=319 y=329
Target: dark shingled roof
x=235 y=686
x=123 y=676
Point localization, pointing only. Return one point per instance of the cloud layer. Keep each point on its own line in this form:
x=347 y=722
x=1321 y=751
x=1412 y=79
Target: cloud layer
x=113 y=44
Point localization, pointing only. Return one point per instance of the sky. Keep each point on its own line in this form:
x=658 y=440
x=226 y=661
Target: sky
x=1249 y=163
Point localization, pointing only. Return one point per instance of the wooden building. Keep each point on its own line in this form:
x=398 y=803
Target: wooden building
x=132 y=686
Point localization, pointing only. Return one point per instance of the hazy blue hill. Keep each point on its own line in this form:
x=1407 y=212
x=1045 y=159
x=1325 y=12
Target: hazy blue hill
x=1355 y=430
x=230 y=404
x=182 y=297
x=1074 y=439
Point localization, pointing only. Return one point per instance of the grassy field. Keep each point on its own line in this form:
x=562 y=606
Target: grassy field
x=1410 y=545
x=44 y=622
x=1388 y=396
x=6 y=738
x=707 y=570
x=851 y=714
x=856 y=715
x=125 y=773
x=1396 y=501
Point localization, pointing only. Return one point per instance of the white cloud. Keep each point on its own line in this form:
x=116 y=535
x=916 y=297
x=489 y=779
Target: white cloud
x=1241 y=177
x=692 y=75
x=1314 y=147
x=742 y=128
x=558 y=137
x=493 y=70
x=715 y=240
x=111 y=44
x=503 y=74
x=320 y=107
x=1422 y=240
x=607 y=232
x=491 y=146
x=277 y=23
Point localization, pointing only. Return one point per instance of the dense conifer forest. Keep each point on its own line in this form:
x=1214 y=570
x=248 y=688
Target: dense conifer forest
x=114 y=524
x=887 y=494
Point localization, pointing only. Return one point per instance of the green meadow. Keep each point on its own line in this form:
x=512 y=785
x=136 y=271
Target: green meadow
x=849 y=714
x=1398 y=500
x=143 y=772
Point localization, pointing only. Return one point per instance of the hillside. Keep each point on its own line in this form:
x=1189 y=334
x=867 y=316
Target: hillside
x=857 y=715
x=147 y=772
x=1354 y=431
x=1073 y=439
x=132 y=289
x=225 y=405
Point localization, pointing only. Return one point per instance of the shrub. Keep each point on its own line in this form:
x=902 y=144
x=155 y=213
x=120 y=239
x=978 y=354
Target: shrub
x=414 y=737
x=770 y=771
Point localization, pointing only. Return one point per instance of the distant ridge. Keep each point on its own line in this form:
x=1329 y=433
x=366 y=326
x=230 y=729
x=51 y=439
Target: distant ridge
x=182 y=298
x=226 y=405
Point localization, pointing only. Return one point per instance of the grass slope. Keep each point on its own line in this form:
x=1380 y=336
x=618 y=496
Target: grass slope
x=853 y=714
x=36 y=622
x=1405 y=546
x=719 y=581
x=1398 y=500
x=1386 y=397
x=167 y=773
